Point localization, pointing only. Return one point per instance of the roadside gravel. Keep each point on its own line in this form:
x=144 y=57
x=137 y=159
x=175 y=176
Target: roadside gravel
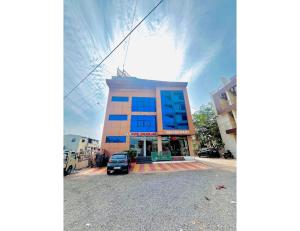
x=155 y=201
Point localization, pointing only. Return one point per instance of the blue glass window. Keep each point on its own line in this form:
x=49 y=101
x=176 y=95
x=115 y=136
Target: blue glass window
x=119 y=98
x=115 y=139
x=143 y=123
x=117 y=117
x=143 y=104
x=174 y=115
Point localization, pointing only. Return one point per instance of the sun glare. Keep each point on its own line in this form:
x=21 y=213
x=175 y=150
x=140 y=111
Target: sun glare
x=156 y=56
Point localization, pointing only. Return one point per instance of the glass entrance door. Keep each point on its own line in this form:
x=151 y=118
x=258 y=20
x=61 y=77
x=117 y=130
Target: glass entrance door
x=143 y=145
x=148 y=147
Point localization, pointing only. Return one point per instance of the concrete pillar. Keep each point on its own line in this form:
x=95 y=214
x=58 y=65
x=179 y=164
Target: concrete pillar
x=234 y=115
x=145 y=148
x=158 y=111
x=228 y=97
x=188 y=112
x=231 y=98
x=159 y=144
x=190 y=143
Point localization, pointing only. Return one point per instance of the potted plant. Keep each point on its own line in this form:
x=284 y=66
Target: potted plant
x=132 y=154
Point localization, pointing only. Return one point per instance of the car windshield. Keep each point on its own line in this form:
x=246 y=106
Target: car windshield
x=118 y=156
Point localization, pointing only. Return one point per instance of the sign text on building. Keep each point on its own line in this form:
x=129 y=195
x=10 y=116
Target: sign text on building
x=176 y=132
x=143 y=133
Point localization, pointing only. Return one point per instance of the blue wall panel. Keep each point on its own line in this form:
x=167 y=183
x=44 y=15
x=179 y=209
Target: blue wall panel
x=143 y=123
x=115 y=139
x=117 y=117
x=119 y=98
x=143 y=104
x=173 y=108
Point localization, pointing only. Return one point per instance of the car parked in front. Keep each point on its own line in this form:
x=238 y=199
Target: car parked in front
x=118 y=162
x=209 y=152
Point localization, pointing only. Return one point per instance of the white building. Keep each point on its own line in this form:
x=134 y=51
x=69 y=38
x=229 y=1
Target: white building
x=224 y=101
x=77 y=143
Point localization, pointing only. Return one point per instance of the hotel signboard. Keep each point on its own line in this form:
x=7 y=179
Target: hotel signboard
x=175 y=132
x=143 y=133
x=165 y=132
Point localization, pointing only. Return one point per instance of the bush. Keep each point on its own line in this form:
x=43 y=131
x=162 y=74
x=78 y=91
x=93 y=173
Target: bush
x=132 y=154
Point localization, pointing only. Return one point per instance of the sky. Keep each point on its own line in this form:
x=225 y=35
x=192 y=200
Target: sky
x=182 y=40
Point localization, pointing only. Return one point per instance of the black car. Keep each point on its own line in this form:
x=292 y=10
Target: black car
x=118 y=162
x=209 y=152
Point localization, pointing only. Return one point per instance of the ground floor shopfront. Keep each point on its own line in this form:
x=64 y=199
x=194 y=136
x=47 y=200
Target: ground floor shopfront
x=178 y=145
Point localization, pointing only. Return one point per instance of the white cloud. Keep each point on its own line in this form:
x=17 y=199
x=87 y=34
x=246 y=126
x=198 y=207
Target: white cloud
x=196 y=70
x=156 y=56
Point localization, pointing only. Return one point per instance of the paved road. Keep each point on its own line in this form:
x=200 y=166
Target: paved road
x=220 y=163
x=154 y=201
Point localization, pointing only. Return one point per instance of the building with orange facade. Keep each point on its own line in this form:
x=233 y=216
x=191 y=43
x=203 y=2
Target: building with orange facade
x=147 y=116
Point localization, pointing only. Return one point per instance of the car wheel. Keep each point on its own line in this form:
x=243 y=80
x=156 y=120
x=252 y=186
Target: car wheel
x=69 y=170
x=108 y=172
x=127 y=171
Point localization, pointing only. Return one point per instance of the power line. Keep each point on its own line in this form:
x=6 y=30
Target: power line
x=129 y=37
x=111 y=51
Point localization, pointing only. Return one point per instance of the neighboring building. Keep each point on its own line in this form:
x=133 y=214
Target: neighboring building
x=83 y=146
x=147 y=116
x=224 y=100
x=76 y=143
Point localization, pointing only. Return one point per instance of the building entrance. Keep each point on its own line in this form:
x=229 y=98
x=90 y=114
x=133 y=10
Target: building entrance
x=143 y=145
x=177 y=145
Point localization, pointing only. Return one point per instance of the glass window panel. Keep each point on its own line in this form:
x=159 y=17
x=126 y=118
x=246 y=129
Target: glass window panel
x=143 y=104
x=115 y=139
x=143 y=123
x=177 y=145
x=173 y=110
x=119 y=98
x=117 y=117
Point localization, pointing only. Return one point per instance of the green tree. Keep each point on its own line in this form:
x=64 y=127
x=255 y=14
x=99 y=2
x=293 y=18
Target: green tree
x=206 y=127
